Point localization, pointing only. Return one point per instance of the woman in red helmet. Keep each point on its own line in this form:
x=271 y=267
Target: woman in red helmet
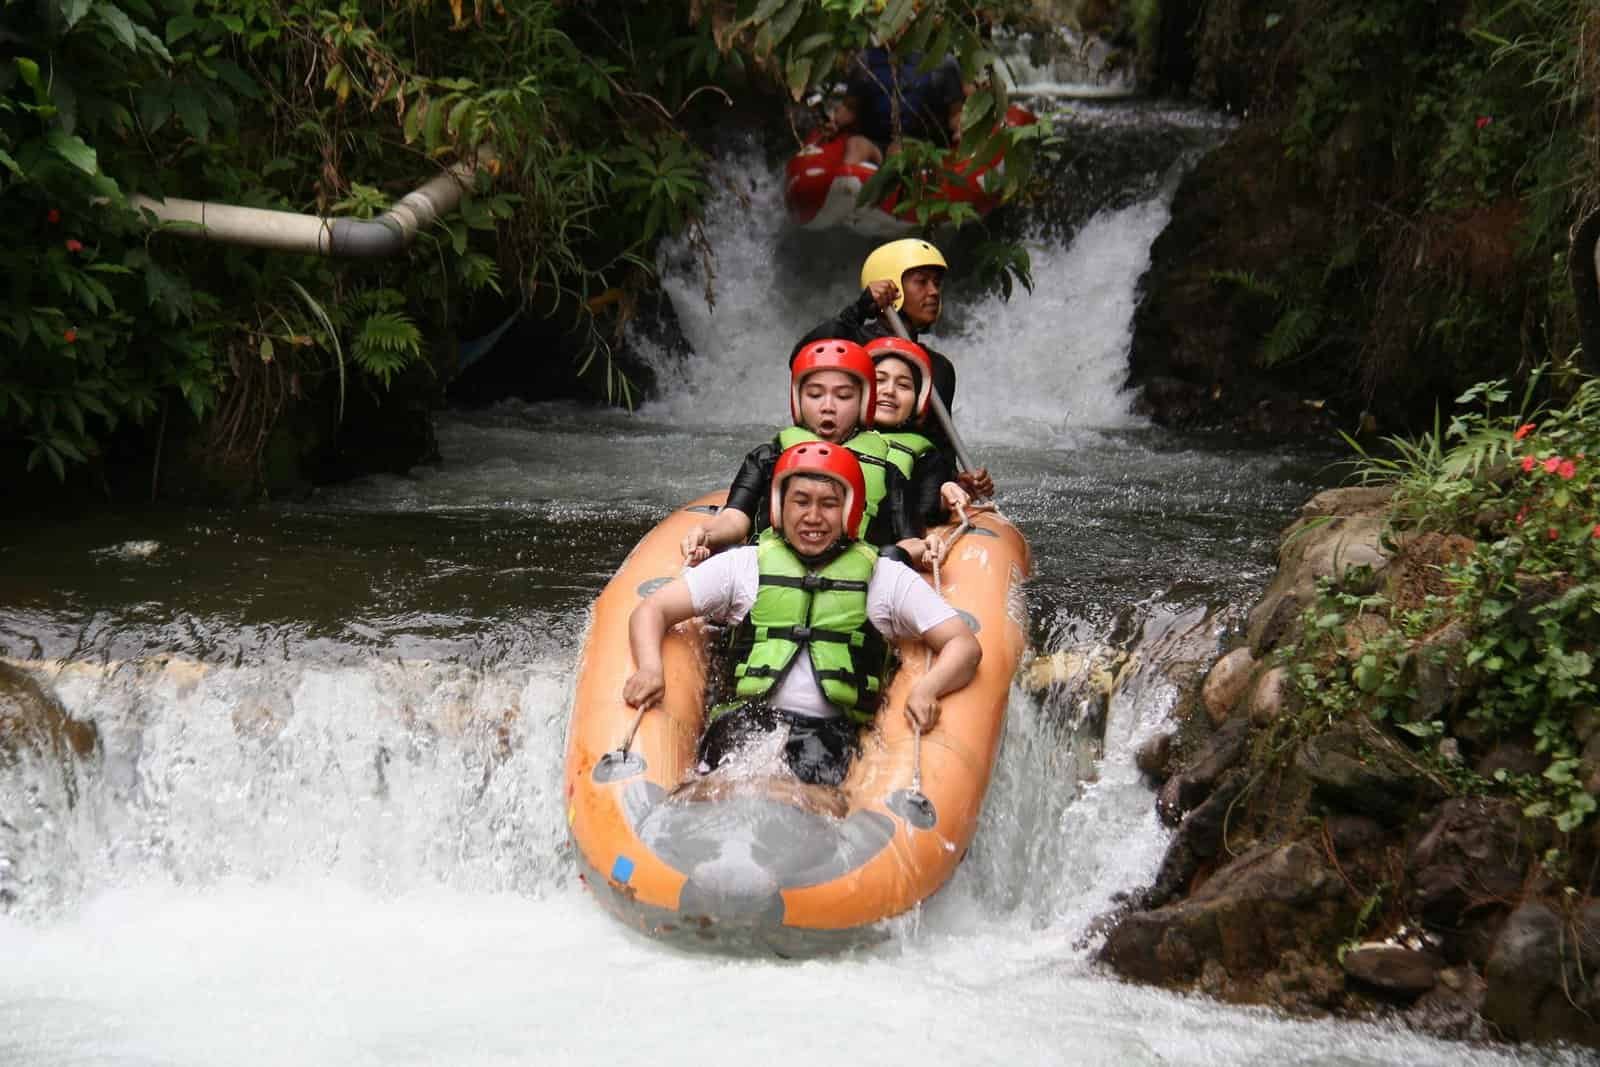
x=830 y=399
x=904 y=380
x=817 y=611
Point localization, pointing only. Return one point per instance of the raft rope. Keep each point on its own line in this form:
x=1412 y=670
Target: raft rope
x=927 y=661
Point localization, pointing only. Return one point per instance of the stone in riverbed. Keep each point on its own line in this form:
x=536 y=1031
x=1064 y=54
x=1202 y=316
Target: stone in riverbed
x=1541 y=975
x=1226 y=683
x=1393 y=970
x=31 y=719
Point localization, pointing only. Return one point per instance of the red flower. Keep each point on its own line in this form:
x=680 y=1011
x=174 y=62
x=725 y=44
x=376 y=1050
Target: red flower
x=1522 y=514
x=1524 y=430
x=1528 y=463
x=1567 y=470
x=53 y=216
x=70 y=333
x=1597 y=530
x=74 y=245
x=1483 y=120
x=1554 y=533
x=1551 y=464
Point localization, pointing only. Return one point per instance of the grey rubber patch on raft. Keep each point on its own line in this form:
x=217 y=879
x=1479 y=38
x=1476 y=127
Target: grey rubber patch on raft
x=651 y=585
x=914 y=807
x=979 y=531
x=703 y=509
x=617 y=765
x=741 y=850
x=970 y=619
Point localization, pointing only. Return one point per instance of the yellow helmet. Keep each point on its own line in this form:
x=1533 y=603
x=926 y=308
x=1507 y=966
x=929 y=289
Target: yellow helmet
x=891 y=261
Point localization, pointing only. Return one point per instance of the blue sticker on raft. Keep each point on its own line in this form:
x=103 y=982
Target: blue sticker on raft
x=622 y=870
x=650 y=585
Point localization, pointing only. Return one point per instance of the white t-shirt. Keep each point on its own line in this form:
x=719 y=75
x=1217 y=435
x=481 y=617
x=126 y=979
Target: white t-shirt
x=899 y=604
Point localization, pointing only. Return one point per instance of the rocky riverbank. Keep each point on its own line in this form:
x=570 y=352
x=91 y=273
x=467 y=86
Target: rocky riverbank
x=1335 y=864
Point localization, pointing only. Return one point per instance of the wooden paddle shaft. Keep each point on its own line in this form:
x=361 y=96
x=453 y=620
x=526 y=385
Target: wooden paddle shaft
x=936 y=402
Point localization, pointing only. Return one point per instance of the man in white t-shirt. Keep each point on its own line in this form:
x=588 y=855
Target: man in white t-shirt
x=818 y=611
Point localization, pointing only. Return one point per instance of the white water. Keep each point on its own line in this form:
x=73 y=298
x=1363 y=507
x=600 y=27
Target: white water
x=315 y=851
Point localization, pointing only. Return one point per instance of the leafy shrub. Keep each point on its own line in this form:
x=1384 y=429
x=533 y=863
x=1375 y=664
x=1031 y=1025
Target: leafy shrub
x=1526 y=487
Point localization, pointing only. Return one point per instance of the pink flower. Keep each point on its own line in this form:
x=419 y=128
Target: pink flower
x=53 y=216
x=1528 y=463
x=1567 y=470
x=1523 y=514
x=74 y=245
x=1524 y=430
x=1483 y=120
x=1551 y=464
x=70 y=333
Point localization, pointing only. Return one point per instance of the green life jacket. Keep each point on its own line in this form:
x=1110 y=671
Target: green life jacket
x=905 y=448
x=871 y=450
x=823 y=611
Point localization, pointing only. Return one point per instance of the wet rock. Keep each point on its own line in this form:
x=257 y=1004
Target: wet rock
x=1513 y=757
x=1271 y=900
x=1589 y=764
x=1226 y=683
x=1469 y=865
x=1347 y=500
x=1541 y=975
x=1186 y=789
x=1154 y=756
x=1392 y=970
x=1350 y=833
x=1355 y=768
x=1451 y=1008
x=1336 y=547
x=31 y=719
x=1586 y=723
x=1437 y=671
x=1271 y=696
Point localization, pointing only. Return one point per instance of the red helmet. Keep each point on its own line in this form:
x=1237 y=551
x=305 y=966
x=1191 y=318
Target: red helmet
x=914 y=354
x=834 y=354
x=827 y=461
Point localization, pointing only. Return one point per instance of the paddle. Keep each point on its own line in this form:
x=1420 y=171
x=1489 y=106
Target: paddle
x=935 y=400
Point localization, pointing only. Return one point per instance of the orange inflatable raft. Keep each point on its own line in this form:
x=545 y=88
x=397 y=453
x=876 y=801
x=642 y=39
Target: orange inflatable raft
x=765 y=863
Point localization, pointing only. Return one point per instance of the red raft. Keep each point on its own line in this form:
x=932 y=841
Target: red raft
x=820 y=190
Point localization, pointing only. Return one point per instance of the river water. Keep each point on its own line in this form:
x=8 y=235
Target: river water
x=324 y=826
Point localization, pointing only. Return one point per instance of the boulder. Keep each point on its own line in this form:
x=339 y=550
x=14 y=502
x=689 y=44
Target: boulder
x=1226 y=683
x=1355 y=768
x=1313 y=549
x=1392 y=970
x=1273 y=900
x=1154 y=757
x=1541 y=975
x=31 y=719
x=1271 y=696
x=1186 y=789
x=1468 y=867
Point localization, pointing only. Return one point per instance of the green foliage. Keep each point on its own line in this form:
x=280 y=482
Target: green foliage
x=1526 y=486
x=579 y=115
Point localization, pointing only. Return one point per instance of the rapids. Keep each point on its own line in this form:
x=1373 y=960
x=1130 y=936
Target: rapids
x=325 y=824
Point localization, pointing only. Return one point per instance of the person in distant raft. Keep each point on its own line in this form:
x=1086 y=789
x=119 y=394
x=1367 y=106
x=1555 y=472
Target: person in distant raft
x=887 y=98
x=830 y=399
x=907 y=275
x=816 y=610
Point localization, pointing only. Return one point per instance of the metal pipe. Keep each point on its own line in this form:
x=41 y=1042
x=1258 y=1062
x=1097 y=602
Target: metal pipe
x=289 y=231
